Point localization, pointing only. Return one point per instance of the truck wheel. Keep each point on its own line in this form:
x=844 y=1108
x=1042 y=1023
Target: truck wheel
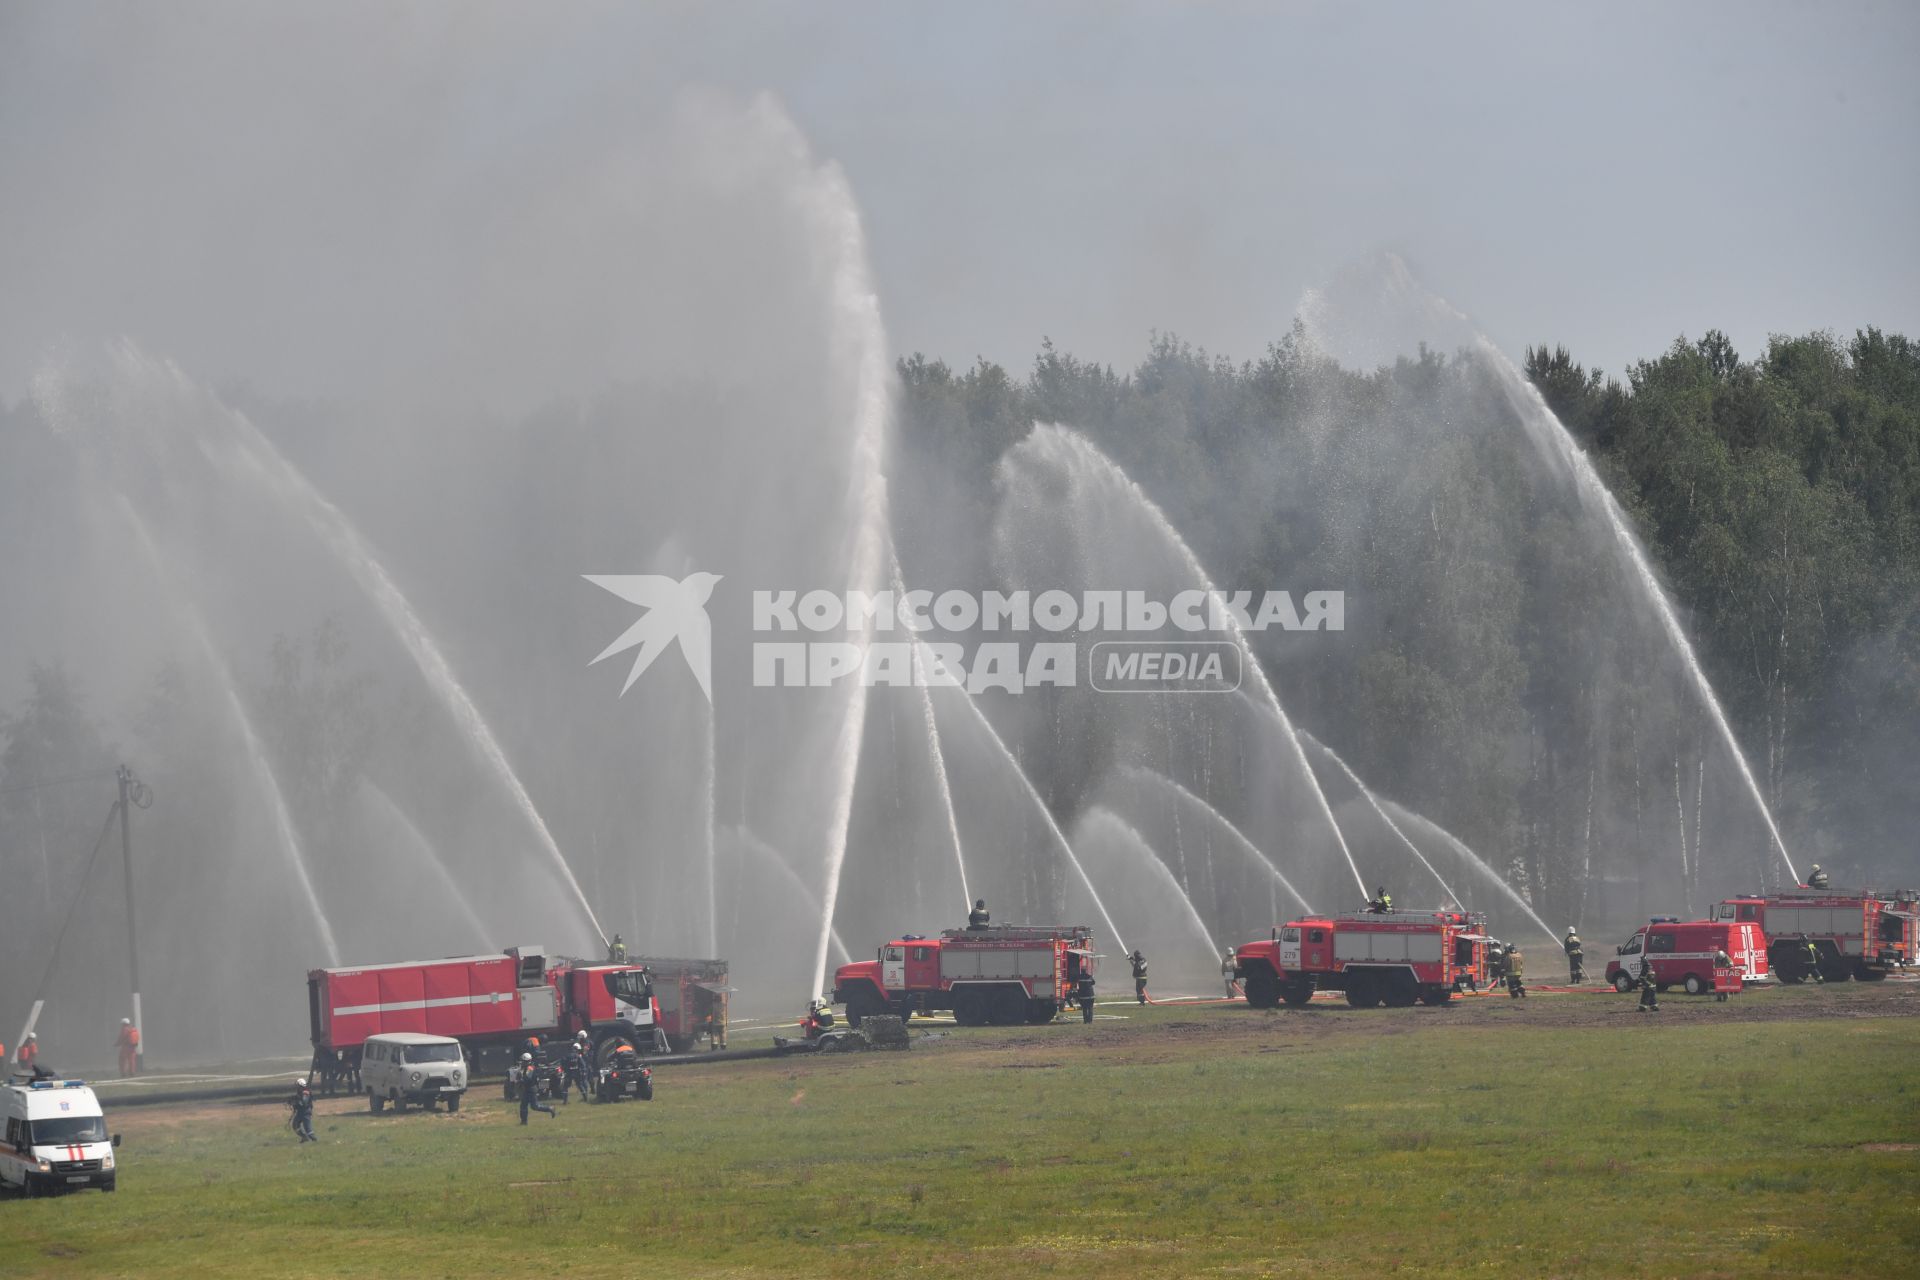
x=1836 y=970
x=1041 y=1012
x=967 y=1009
x=904 y=1011
x=453 y=1104
x=1622 y=983
x=1297 y=994
x=1867 y=973
x=1009 y=1005
x=1437 y=995
x=863 y=1003
x=399 y=1104
x=375 y=1102
x=1695 y=987
x=1263 y=989
x=1361 y=993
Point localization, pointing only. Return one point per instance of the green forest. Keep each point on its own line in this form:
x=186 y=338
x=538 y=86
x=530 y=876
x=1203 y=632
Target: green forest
x=1498 y=671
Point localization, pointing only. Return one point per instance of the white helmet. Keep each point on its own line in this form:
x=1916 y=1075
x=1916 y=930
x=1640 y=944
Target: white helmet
x=526 y=1057
x=126 y=1022
x=32 y=1036
x=302 y=1082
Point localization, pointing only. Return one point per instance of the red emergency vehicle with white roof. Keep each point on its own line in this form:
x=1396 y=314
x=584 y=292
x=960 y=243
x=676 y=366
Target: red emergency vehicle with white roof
x=486 y=1002
x=1682 y=954
x=1393 y=958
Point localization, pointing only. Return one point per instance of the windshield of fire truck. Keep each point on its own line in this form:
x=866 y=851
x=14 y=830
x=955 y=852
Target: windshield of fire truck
x=433 y=1053
x=59 y=1131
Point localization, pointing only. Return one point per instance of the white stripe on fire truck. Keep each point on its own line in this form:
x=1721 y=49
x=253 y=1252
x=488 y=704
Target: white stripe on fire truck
x=401 y=1006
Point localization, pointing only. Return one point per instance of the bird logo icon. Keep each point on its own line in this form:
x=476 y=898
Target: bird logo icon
x=675 y=610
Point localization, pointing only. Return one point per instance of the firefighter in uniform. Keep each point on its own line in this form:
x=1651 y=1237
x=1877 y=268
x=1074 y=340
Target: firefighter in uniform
x=530 y=1089
x=1576 y=968
x=1721 y=961
x=29 y=1055
x=576 y=1068
x=302 y=1104
x=1516 y=975
x=978 y=917
x=1649 y=988
x=128 y=1042
x=1139 y=963
x=1381 y=902
x=1083 y=991
x=1812 y=959
x=1816 y=879
x=1496 y=964
x=616 y=951
x=1229 y=967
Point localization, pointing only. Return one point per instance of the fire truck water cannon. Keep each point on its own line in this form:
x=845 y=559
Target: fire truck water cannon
x=1395 y=959
x=1000 y=974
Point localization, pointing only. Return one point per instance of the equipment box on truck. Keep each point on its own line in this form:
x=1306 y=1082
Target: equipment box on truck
x=1682 y=952
x=55 y=1138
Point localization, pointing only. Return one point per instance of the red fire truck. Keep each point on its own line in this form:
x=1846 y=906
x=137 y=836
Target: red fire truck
x=490 y=1002
x=1393 y=958
x=692 y=998
x=1681 y=953
x=1856 y=933
x=1000 y=974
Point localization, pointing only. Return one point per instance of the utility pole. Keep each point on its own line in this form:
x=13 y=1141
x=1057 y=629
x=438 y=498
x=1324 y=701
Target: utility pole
x=132 y=792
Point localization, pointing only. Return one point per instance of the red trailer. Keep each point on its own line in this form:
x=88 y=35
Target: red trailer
x=1392 y=958
x=1856 y=933
x=1000 y=974
x=485 y=1002
x=1682 y=952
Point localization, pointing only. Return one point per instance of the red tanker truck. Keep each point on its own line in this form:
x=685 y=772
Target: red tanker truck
x=1392 y=958
x=1001 y=974
x=489 y=1002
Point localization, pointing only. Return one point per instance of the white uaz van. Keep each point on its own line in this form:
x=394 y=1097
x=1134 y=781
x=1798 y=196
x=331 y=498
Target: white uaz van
x=55 y=1138
x=410 y=1066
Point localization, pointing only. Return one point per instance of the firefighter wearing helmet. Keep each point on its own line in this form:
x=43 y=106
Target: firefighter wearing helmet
x=1576 y=970
x=1816 y=878
x=302 y=1119
x=978 y=917
x=530 y=1089
x=1649 y=988
x=1516 y=975
x=128 y=1042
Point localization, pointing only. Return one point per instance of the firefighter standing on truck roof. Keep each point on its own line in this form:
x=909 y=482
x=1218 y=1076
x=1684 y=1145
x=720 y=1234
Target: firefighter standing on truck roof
x=1381 y=902
x=1516 y=975
x=530 y=1089
x=1816 y=878
x=1576 y=968
x=616 y=951
x=128 y=1043
x=978 y=917
x=1139 y=963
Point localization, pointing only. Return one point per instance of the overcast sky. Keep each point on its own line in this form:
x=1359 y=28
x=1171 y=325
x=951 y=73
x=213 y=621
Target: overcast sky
x=253 y=188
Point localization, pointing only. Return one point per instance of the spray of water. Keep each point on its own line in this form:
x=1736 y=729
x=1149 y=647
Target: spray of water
x=243 y=450
x=255 y=752
x=1472 y=859
x=745 y=839
x=1079 y=453
x=417 y=838
x=1026 y=784
x=1235 y=837
x=1100 y=823
x=1392 y=826
x=711 y=787
x=934 y=751
x=859 y=346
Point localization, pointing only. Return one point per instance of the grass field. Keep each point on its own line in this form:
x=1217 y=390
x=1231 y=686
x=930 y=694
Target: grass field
x=1775 y=1135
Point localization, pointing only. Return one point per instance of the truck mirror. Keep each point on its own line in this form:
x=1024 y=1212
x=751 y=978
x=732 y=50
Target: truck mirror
x=1620 y=951
x=116 y=1139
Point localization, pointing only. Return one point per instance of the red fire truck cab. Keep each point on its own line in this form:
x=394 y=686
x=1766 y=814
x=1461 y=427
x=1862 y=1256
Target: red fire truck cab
x=1855 y=933
x=485 y=1002
x=1681 y=953
x=1002 y=974
x=1391 y=958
